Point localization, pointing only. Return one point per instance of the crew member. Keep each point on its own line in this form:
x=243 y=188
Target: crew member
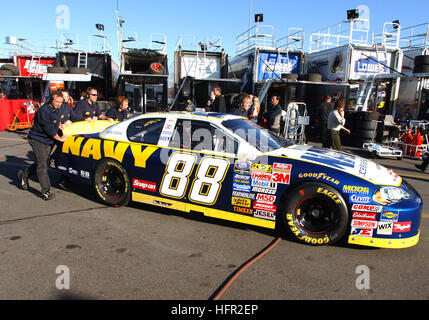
x=42 y=136
x=243 y=108
x=219 y=104
x=87 y=109
x=120 y=111
x=273 y=115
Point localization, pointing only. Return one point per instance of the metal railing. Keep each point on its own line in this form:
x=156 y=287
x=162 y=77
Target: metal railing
x=347 y=32
x=415 y=37
x=259 y=36
x=294 y=41
x=192 y=43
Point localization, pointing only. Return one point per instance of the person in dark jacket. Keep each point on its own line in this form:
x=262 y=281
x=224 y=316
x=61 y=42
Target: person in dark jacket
x=120 y=111
x=219 y=104
x=242 y=109
x=322 y=117
x=41 y=137
x=273 y=115
x=87 y=109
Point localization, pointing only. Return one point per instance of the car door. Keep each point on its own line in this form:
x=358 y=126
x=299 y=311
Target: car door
x=198 y=169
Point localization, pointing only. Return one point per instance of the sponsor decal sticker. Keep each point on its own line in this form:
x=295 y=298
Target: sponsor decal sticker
x=243 y=210
x=241 y=187
x=385 y=228
x=281 y=177
x=264 y=184
x=264 y=190
x=364 y=224
x=282 y=167
x=242 y=167
x=144 y=185
x=243 y=195
x=366 y=208
x=262 y=168
x=265 y=198
x=402 y=226
x=264 y=215
x=389 y=216
x=242 y=178
x=261 y=176
x=241 y=202
x=362 y=232
x=355 y=189
x=264 y=207
x=365 y=215
x=359 y=199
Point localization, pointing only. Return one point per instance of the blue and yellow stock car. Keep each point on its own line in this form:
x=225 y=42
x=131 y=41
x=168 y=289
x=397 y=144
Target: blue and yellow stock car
x=226 y=167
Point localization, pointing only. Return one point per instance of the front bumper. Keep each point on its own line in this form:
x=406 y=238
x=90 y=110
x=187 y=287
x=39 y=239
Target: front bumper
x=397 y=226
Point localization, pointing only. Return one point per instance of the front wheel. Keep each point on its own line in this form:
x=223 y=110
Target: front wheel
x=315 y=213
x=111 y=183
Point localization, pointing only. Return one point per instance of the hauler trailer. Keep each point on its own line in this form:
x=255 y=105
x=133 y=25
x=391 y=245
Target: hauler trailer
x=143 y=77
x=200 y=66
x=369 y=65
x=262 y=62
x=22 y=87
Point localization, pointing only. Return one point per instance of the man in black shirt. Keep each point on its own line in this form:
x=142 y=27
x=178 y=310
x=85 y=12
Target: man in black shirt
x=119 y=112
x=322 y=116
x=41 y=138
x=219 y=104
x=273 y=115
x=87 y=109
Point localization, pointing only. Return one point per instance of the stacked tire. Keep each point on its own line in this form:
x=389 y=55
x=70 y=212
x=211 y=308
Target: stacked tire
x=421 y=64
x=9 y=70
x=363 y=129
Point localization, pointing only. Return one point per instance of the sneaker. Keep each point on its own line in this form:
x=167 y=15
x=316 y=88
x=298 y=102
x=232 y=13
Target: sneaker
x=22 y=180
x=420 y=167
x=48 y=195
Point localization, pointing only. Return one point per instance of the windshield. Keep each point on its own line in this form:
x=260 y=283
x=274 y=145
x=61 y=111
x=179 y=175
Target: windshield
x=260 y=138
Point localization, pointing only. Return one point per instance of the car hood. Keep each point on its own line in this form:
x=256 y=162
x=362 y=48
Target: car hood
x=345 y=162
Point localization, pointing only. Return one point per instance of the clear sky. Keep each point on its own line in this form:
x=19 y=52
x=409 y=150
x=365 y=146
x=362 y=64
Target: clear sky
x=36 y=21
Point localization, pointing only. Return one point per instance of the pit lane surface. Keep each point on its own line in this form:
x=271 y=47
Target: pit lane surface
x=143 y=252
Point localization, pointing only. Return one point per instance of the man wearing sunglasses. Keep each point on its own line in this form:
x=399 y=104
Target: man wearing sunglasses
x=87 y=109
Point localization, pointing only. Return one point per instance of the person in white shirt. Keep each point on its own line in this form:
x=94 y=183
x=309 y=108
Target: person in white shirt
x=336 y=122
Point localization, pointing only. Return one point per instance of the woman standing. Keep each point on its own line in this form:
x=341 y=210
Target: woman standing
x=336 y=122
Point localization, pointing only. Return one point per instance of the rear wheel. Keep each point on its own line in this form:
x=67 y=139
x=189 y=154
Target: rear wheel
x=111 y=183
x=315 y=213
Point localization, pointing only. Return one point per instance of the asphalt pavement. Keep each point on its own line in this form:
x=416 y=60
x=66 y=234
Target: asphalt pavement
x=74 y=247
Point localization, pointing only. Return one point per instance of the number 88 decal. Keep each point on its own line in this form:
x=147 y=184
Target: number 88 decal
x=207 y=183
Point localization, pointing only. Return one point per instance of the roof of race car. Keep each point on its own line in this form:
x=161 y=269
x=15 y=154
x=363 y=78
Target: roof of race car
x=190 y=115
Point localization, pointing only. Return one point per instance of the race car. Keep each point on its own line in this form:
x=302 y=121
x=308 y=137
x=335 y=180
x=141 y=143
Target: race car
x=227 y=167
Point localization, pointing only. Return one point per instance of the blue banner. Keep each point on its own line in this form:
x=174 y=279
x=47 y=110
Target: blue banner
x=273 y=64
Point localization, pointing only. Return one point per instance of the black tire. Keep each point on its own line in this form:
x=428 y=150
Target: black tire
x=290 y=76
x=11 y=67
x=366 y=125
x=79 y=70
x=314 y=77
x=111 y=183
x=57 y=70
x=361 y=134
x=420 y=60
x=315 y=213
x=421 y=68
